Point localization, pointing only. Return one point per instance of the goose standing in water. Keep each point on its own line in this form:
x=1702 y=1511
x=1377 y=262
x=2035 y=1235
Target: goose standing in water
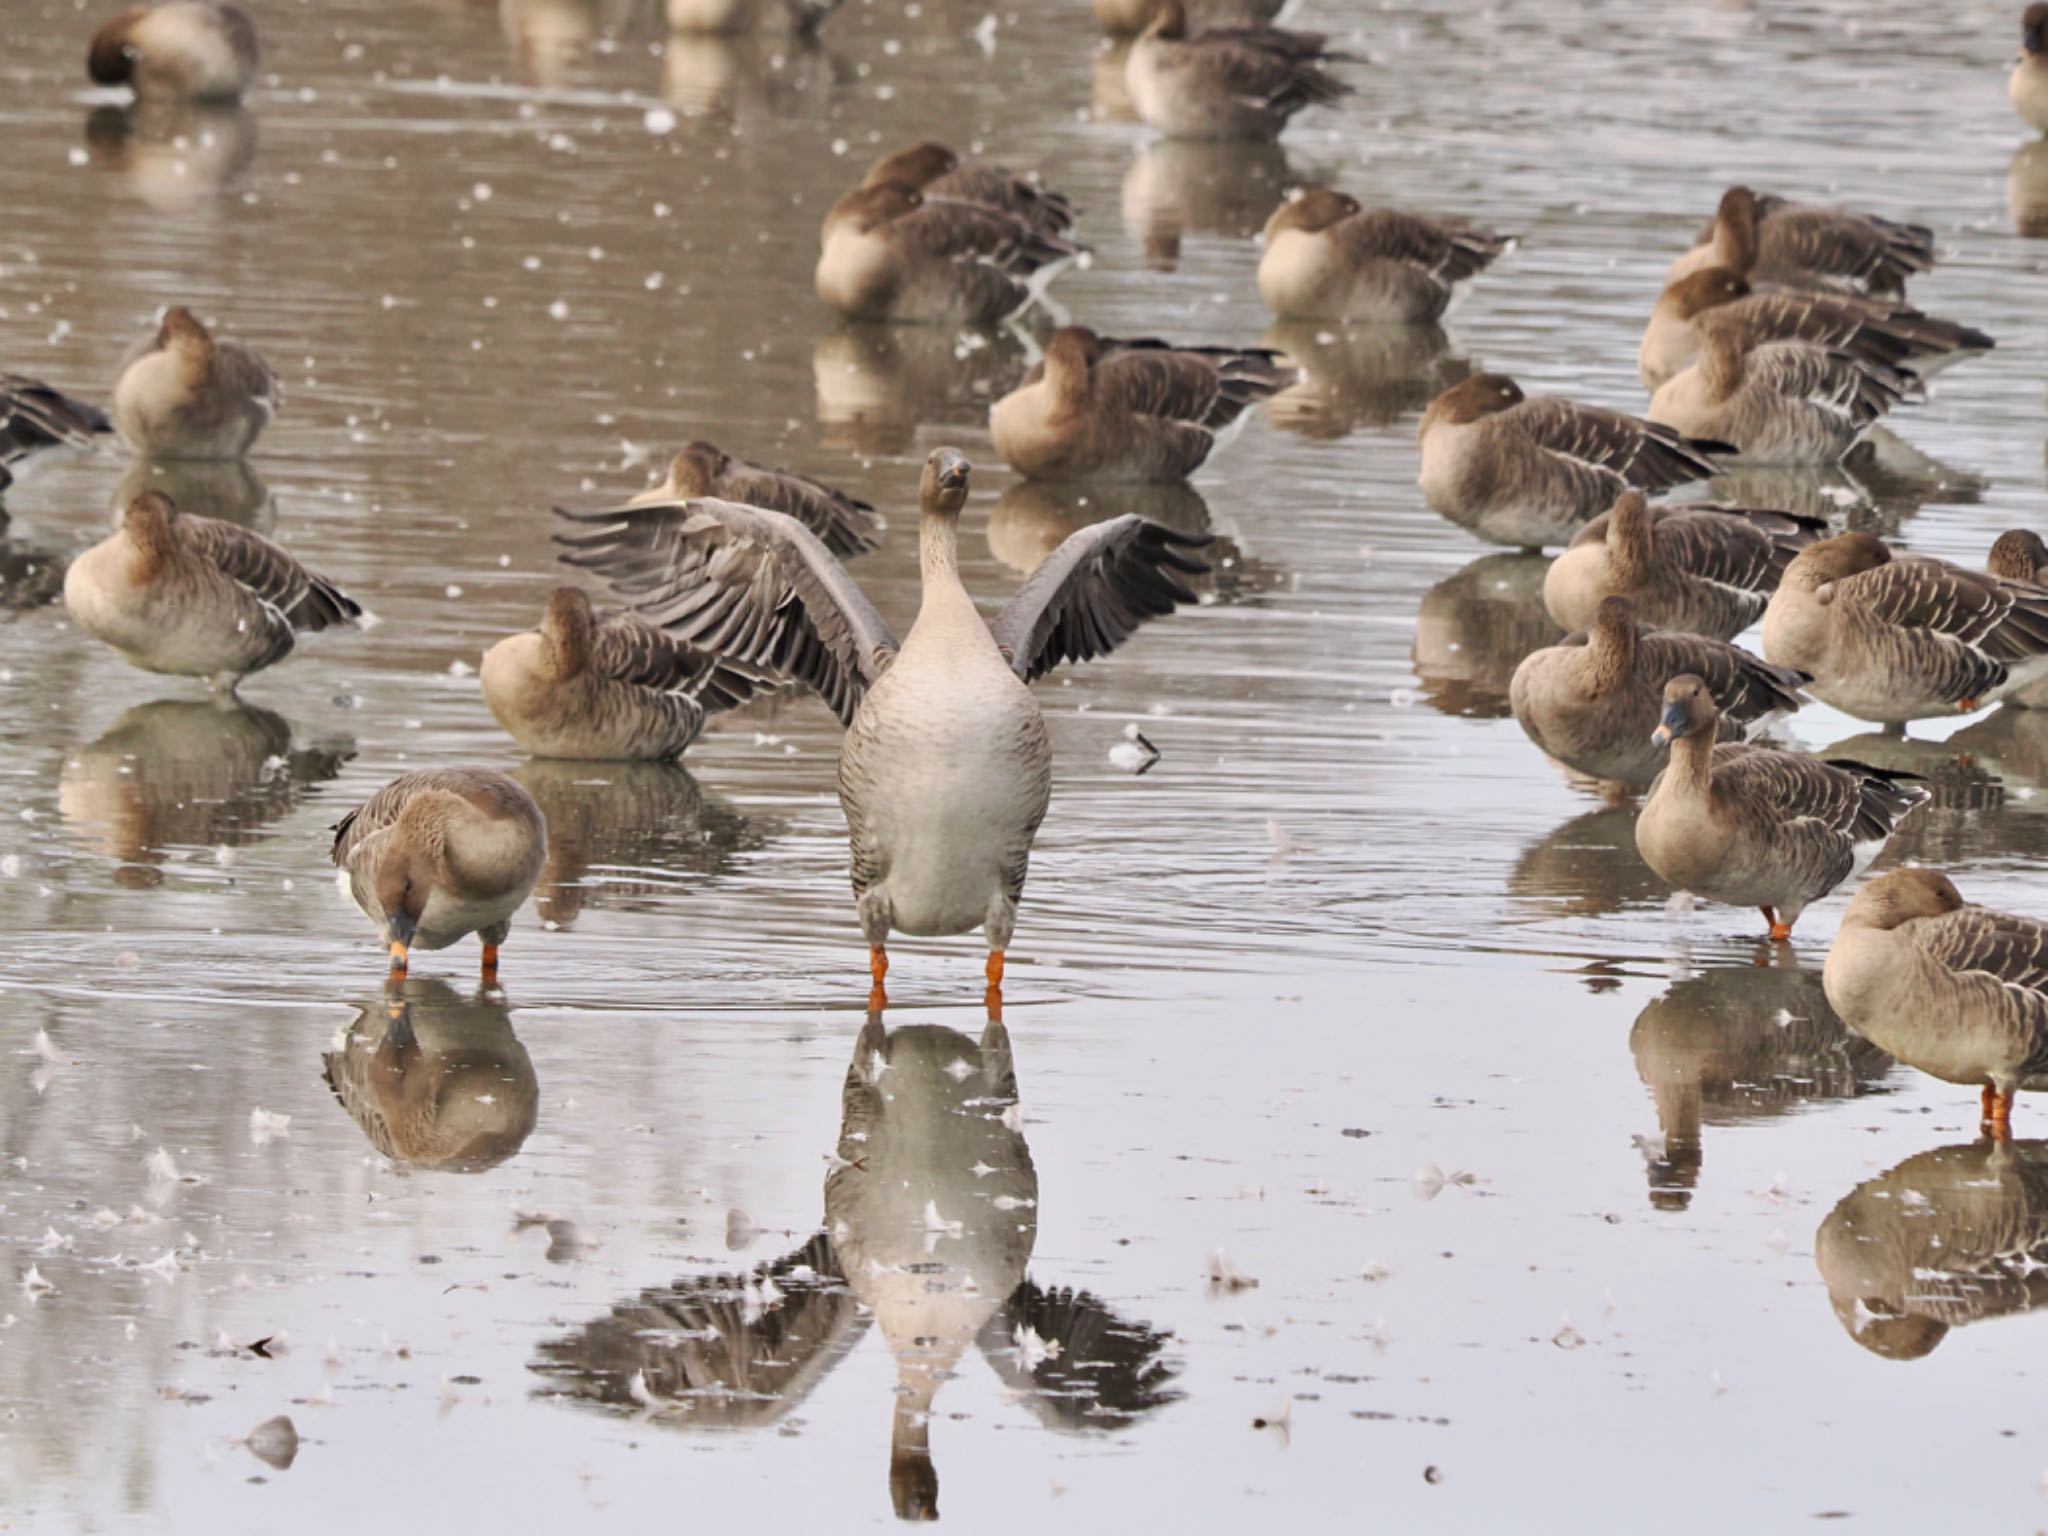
x=1700 y=569
x=1959 y=991
x=844 y=525
x=1229 y=83
x=1896 y=638
x=34 y=417
x=1771 y=239
x=1779 y=402
x=439 y=854
x=1756 y=827
x=1101 y=409
x=934 y=170
x=195 y=49
x=1328 y=257
x=946 y=770
x=2028 y=85
x=195 y=597
x=1533 y=470
x=891 y=254
x=187 y=395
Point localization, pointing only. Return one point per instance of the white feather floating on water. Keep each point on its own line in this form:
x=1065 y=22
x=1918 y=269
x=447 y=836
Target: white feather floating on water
x=1134 y=754
x=264 y=1127
x=1226 y=1276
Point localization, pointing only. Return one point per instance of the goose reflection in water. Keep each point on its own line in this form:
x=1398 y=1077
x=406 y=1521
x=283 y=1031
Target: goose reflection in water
x=1474 y=628
x=1359 y=375
x=1880 y=483
x=1181 y=187
x=436 y=1078
x=1032 y=517
x=930 y=1219
x=878 y=386
x=175 y=155
x=1588 y=867
x=31 y=570
x=1947 y=1238
x=224 y=489
x=187 y=774
x=1735 y=1045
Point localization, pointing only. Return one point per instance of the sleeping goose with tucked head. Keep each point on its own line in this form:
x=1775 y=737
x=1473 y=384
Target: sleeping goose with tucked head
x=195 y=49
x=1959 y=991
x=1533 y=470
x=1229 y=82
x=2028 y=84
x=186 y=394
x=2020 y=555
x=946 y=770
x=1771 y=239
x=195 y=597
x=934 y=170
x=890 y=254
x=1102 y=409
x=846 y=526
x=1895 y=638
x=439 y=854
x=1777 y=402
x=34 y=417
x=1756 y=827
x=1701 y=569
x=1328 y=257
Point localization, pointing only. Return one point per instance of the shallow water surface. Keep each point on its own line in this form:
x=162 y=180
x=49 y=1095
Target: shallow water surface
x=1557 y=1195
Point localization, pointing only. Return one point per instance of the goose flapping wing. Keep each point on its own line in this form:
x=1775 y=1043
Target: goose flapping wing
x=1094 y=1371
x=628 y=649
x=2006 y=621
x=2013 y=950
x=1645 y=454
x=1093 y=591
x=750 y=586
x=307 y=601
x=846 y=526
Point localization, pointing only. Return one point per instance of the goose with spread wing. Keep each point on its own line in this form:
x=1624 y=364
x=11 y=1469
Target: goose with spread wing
x=1227 y=82
x=946 y=770
x=1329 y=257
x=1770 y=239
x=846 y=526
x=33 y=416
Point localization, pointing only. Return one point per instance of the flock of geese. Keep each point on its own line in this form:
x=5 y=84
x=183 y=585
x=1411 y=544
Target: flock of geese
x=1782 y=335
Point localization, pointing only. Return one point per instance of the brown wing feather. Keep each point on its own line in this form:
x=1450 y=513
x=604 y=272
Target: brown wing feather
x=846 y=526
x=2005 y=620
x=1647 y=455
x=1093 y=591
x=307 y=600
x=1746 y=688
x=628 y=649
x=2012 y=949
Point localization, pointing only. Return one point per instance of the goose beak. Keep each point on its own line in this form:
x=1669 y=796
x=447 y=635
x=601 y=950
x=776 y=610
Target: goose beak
x=401 y=928
x=1671 y=727
x=953 y=471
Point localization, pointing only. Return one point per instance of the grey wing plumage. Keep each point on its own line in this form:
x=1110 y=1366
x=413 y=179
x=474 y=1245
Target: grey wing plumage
x=2007 y=621
x=750 y=586
x=844 y=525
x=1649 y=456
x=1107 y=1372
x=1045 y=210
x=35 y=416
x=628 y=649
x=975 y=232
x=1746 y=688
x=1861 y=390
x=1874 y=253
x=1855 y=801
x=1092 y=593
x=1204 y=386
x=2012 y=949
x=307 y=600
x=1735 y=547
x=1449 y=252
x=1278 y=69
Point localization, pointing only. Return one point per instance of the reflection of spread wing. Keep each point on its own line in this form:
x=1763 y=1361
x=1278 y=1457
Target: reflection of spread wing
x=1080 y=1366
x=714 y=1351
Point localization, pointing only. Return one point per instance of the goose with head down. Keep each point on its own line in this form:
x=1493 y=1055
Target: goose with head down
x=1328 y=257
x=889 y=253
x=1226 y=82
x=1770 y=239
x=1777 y=402
x=844 y=525
x=946 y=770
x=193 y=49
x=937 y=172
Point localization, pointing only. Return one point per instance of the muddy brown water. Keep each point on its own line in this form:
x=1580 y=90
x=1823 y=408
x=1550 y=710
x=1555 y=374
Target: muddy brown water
x=506 y=1272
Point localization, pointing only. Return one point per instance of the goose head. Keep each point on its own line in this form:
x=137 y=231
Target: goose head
x=1708 y=288
x=110 y=59
x=696 y=470
x=868 y=208
x=1069 y=356
x=1735 y=231
x=567 y=628
x=2033 y=31
x=2020 y=554
x=1900 y=895
x=1169 y=20
x=180 y=328
x=1315 y=210
x=1470 y=400
x=1689 y=709
x=1831 y=560
x=918 y=166
x=943 y=490
x=148 y=521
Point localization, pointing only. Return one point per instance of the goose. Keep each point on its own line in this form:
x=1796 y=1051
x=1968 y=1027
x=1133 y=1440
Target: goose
x=2020 y=555
x=1894 y=638
x=186 y=394
x=1125 y=18
x=1753 y=826
x=604 y=689
x=1231 y=83
x=1102 y=409
x=1771 y=239
x=889 y=254
x=1779 y=402
x=441 y=853
x=1870 y=330
x=1593 y=702
x=1699 y=568
x=846 y=526
x=195 y=597
x=1959 y=991
x=805 y=17
x=196 y=49
x=33 y=417
x=1328 y=257
x=946 y=770
x=2028 y=85
x=1528 y=471
x=937 y=172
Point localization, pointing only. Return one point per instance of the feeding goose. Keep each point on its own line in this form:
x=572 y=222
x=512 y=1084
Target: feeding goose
x=195 y=597
x=1328 y=257
x=439 y=854
x=1126 y=17
x=1871 y=330
x=1894 y=638
x=1779 y=402
x=946 y=770
x=2028 y=84
x=1756 y=827
x=1594 y=701
x=34 y=417
x=1101 y=409
x=1533 y=470
x=183 y=48
x=1770 y=239
x=613 y=688
x=1959 y=991
x=1698 y=568
x=1227 y=83
x=937 y=172
x=186 y=394
x=717 y=16
x=844 y=525
x=891 y=254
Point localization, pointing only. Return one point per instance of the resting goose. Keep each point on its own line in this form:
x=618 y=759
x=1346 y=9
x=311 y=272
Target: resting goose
x=946 y=770
x=1870 y=330
x=439 y=854
x=934 y=170
x=184 y=48
x=1772 y=240
x=1127 y=17
x=1756 y=827
x=2028 y=85
x=1101 y=409
x=1700 y=569
x=195 y=597
x=889 y=254
x=1894 y=638
x=1227 y=83
x=844 y=525
x=1533 y=470
x=1328 y=257
x=805 y=16
x=185 y=394
x=2020 y=555
x=34 y=416
x=1779 y=402
x=1961 y=992
x=1593 y=702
